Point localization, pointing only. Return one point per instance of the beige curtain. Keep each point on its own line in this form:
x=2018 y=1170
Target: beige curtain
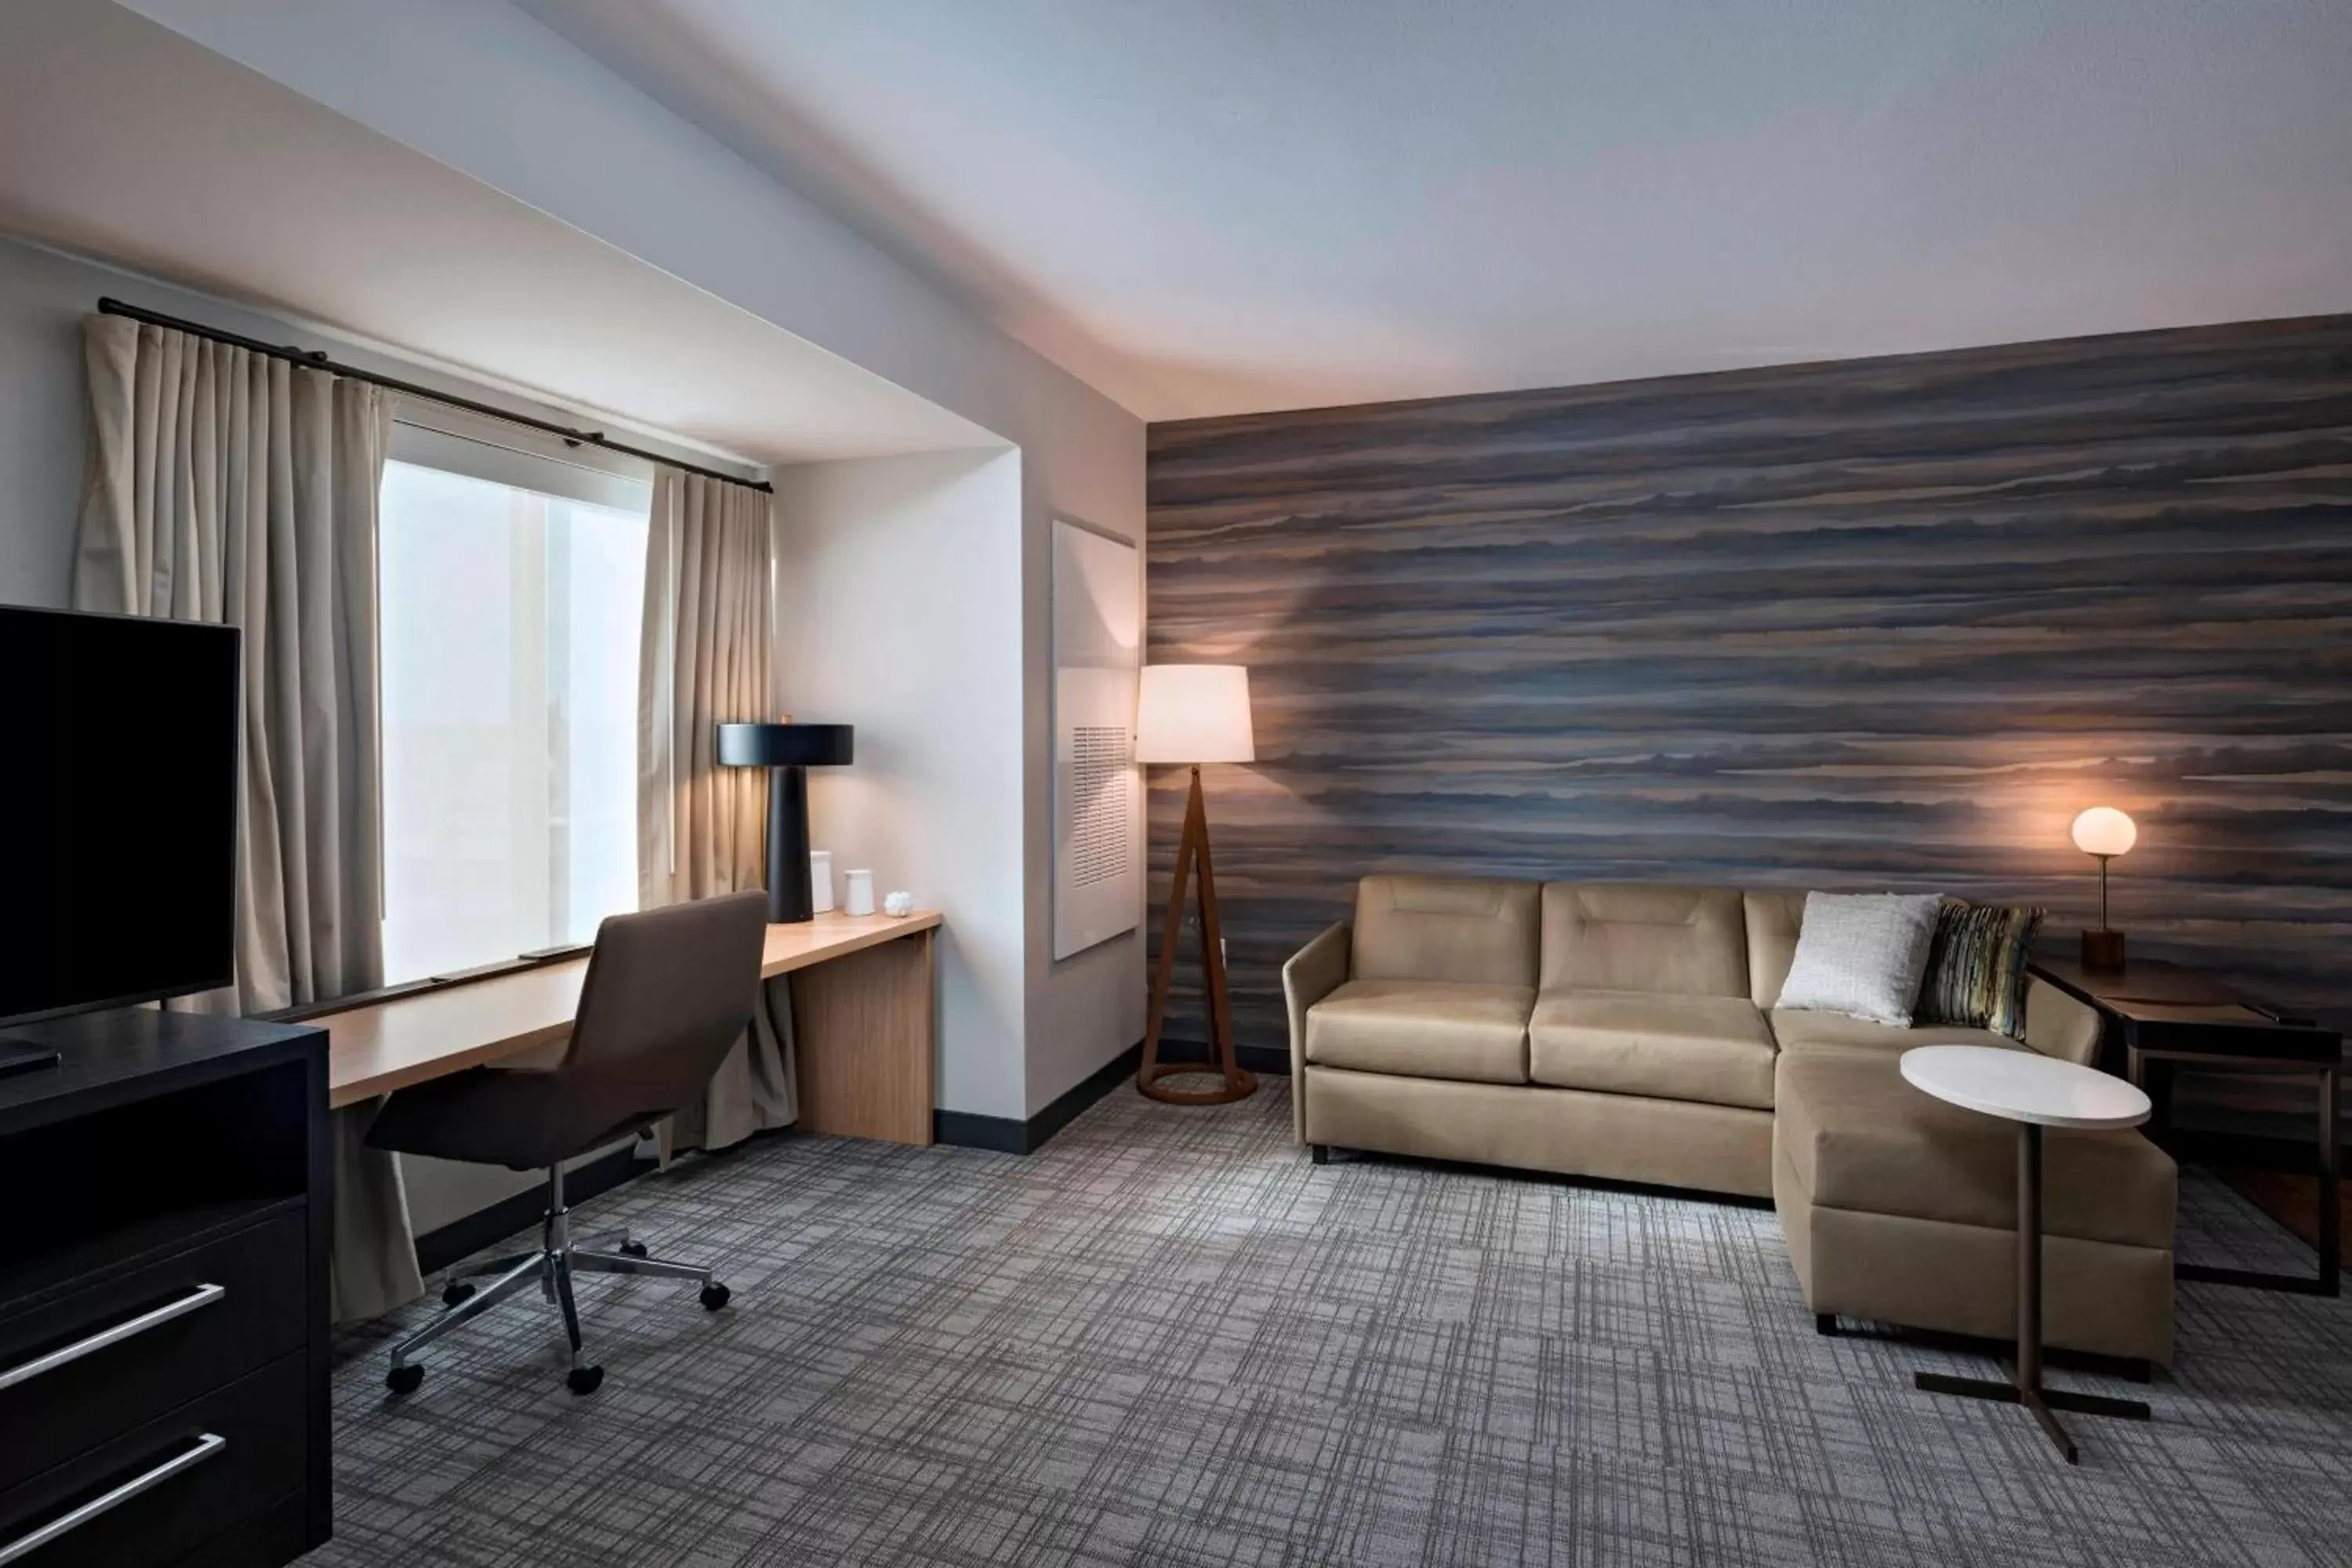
x=708 y=647
x=231 y=487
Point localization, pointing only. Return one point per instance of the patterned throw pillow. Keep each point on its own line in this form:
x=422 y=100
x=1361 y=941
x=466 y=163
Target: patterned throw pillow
x=1976 y=967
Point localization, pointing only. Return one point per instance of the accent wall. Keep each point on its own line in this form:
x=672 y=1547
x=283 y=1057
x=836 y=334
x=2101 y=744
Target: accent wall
x=1881 y=624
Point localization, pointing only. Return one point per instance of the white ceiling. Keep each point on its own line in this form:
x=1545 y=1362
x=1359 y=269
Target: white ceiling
x=126 y=142
x=1218 y=206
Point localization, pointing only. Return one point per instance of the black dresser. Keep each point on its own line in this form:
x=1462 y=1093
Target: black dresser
x=163 y=1315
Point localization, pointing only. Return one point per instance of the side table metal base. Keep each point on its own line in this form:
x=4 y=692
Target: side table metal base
x=2024 y=1385
x=2045 y=1403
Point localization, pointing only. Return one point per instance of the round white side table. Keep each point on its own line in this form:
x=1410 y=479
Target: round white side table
x=2035 y=1091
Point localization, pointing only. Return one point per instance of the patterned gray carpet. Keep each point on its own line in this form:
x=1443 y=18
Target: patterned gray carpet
x=1168 y=1338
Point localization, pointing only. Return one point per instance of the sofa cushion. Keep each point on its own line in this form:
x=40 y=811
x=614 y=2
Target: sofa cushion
x=1856 y=1136
x=1423 y=1028
x=1800 y=1031
x=1465 y=931
x=1635 y=936
x=1712 y=1049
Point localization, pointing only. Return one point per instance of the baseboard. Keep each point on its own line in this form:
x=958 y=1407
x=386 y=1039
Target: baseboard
x=437 y=1249
x=1260 y=1059
x=970 y=1129
x=1010 y=1135
x=1064 y=1110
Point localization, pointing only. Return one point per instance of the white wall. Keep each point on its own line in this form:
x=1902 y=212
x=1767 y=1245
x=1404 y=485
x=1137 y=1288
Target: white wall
x=42 y=432
x=486 y=88
x=898 y=610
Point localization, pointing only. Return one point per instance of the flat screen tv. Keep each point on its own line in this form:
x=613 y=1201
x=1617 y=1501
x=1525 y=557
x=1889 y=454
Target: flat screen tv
x=118 y=800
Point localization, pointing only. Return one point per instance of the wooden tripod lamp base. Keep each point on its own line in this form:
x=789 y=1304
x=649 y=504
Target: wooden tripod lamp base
x=1191 y=852
x=1193 y=713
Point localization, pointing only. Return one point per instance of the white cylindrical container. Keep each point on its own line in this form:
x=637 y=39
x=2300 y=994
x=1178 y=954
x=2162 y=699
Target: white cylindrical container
x=819 y=880
x=860 y=900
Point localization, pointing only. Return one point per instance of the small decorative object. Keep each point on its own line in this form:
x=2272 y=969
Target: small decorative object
x=820 y=880
x=2104 y=833
x=898 y=903
x=1193 y=713
x=860 y=898
x=787 y=750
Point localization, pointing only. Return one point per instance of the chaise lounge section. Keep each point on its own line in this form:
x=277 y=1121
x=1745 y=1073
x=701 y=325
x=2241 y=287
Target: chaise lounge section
x=1629 y=1032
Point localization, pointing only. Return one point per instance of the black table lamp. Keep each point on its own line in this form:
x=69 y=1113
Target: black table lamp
x=788 y=750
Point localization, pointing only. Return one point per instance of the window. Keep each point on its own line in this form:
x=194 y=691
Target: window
x=511 y=589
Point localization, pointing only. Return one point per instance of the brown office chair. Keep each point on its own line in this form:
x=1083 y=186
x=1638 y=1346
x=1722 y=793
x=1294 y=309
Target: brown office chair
x=668 y=995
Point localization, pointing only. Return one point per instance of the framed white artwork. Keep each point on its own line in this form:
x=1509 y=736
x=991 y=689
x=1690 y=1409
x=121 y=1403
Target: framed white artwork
x=1097 y=788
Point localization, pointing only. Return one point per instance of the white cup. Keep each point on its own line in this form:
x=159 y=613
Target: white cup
x=819 y=880
x=860 y=900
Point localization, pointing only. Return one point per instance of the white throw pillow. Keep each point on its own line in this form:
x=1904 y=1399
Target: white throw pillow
x=1863 y=954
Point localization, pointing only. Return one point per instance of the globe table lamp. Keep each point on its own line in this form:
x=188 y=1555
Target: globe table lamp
x=2104 y=833
x=787 y=750
x=1193 y=713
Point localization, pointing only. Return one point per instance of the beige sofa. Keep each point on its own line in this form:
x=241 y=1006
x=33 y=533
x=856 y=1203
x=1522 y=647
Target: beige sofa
x=1629 y=1032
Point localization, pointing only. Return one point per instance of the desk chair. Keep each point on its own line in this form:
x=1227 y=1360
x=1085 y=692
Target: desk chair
x=667 y=995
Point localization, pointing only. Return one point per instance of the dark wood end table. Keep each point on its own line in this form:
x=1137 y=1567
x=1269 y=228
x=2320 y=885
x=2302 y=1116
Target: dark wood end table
x=2162 y=1015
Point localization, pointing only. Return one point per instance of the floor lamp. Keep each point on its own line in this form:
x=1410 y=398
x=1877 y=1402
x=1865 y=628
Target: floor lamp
x=1193 y=713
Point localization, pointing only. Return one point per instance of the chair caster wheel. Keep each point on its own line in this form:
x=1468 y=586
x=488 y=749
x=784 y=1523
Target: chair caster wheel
x=404 y=1379
x=455 y=1291
x=633 y=1250
x=714 y=1296
x=585 y=1379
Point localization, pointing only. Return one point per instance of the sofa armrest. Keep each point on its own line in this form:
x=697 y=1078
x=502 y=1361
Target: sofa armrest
x=1312 y=972
x=2057 y=1024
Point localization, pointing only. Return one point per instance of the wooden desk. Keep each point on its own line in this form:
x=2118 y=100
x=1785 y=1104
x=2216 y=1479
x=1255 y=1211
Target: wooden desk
x=862 y=1017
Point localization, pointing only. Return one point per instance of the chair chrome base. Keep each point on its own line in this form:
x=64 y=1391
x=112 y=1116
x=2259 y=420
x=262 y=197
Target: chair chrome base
x=552 y=1267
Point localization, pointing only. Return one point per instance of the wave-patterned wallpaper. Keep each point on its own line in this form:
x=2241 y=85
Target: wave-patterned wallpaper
x=1883 y=624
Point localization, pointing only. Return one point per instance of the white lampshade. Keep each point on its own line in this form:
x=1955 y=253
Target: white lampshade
x=1194 y=713
x=2104 y=830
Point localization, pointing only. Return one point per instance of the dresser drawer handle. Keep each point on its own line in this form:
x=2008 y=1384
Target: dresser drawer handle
x=25 y=1372
x=208 y=1445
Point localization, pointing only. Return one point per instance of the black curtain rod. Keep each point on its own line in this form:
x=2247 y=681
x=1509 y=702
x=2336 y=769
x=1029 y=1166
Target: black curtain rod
x=317 y=360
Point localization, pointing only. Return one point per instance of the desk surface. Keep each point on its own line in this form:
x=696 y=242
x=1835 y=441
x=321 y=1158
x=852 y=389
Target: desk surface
x=406 y=1040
